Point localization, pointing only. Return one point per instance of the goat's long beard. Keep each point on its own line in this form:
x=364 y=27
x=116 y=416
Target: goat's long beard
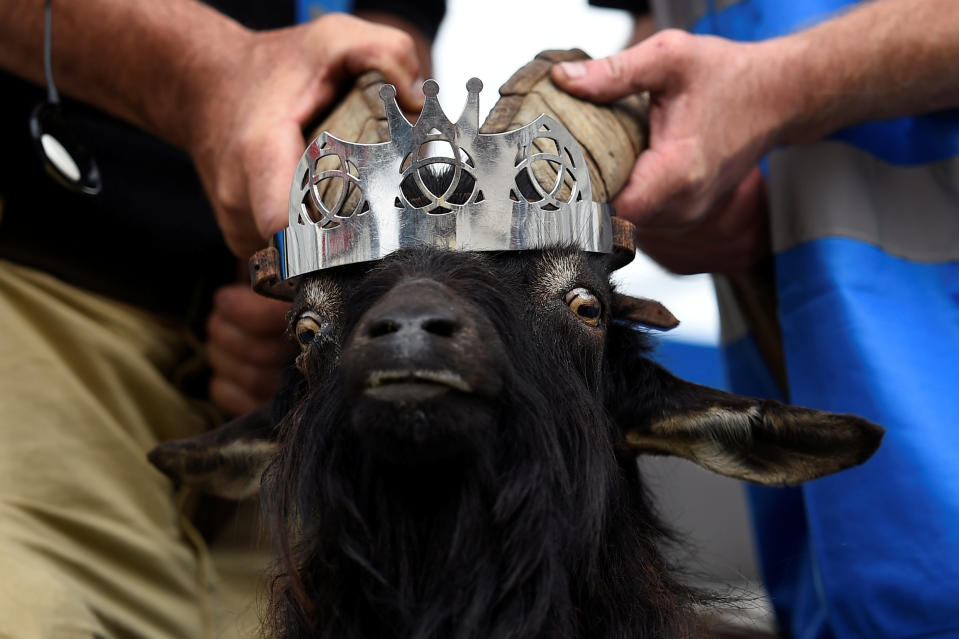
x=510 y=544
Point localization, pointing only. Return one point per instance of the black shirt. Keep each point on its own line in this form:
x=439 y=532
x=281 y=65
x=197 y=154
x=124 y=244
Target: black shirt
x=149 y=238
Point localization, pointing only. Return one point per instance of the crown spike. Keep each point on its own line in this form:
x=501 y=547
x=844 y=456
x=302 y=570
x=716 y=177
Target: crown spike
x=432 y=117
x=432 y=111
x=469 y=120
x=399 y=125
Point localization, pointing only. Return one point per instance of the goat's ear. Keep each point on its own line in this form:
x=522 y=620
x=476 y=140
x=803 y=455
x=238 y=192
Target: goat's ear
x=762 y=441
x=643 y=311
x=227 y=462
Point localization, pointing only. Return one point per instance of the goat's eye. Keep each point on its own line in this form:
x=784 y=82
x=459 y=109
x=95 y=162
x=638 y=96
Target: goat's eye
x=307 y=328
x=585 y=305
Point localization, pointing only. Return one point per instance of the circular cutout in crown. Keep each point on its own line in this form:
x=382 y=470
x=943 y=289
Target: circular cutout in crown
x=438 y=177
x=547 y=172
x=331 y=187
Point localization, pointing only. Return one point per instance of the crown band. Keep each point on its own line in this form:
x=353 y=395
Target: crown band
x=492 y=199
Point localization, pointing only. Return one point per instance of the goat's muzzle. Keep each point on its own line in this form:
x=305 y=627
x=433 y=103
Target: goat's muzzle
x=413 y=386
x=422 y=370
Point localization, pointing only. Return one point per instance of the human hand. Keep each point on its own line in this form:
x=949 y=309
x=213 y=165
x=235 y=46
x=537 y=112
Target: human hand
x=713 y=113
x=247 y=347
x=731 y=236
x=247 y=135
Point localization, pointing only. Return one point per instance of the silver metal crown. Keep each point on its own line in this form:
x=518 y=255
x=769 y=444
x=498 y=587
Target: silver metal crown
x=489 y=200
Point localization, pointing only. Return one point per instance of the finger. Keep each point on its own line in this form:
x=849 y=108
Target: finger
x=274 y=350
x=639 y=68
x=733 y=236
x=243 y=242
x=397 y=67
x=369 y=46
x=271 y=162
x=745 y=220
x=658 y=180
x=231 y=398
x=253 y=313
x=259 y=382
x=228 y=198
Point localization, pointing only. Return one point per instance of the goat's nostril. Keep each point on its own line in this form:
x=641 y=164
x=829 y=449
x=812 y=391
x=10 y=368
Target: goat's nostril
x=440 y=326
x=383 y=327
x=410 y=323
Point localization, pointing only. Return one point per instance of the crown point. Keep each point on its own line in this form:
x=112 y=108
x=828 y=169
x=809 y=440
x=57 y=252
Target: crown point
x=431 y=88
x=387 y=92
x=474 y=85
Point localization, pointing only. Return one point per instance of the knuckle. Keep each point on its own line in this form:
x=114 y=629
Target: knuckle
x=214 y=328
x=251 y=144
x=401 y=42
x=676 y=49
x=224 y=194
x=614 y=67
x=671 y=42
x=335 y=21
x=217 y=360
x=697 y=174
x=219 y=393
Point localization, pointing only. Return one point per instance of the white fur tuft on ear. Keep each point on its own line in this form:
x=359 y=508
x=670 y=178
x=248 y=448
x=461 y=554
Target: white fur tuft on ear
x=227 y=462
x=761 y=441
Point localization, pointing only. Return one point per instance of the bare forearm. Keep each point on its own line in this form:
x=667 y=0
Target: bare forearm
x=234 y=99
x=145 y=62
x=888 y=58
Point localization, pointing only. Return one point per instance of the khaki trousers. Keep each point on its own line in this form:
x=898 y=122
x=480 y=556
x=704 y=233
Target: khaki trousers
x=94 y=542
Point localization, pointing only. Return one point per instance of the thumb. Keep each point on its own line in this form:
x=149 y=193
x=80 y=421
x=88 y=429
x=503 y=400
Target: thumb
x=270 y=174
x=613 y=77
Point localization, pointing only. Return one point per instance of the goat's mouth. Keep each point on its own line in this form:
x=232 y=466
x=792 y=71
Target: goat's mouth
x=413 y=386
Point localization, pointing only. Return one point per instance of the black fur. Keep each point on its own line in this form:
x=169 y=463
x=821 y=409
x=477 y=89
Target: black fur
x=535 y=527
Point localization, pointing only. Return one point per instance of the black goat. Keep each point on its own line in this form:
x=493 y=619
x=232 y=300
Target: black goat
x=455 y=455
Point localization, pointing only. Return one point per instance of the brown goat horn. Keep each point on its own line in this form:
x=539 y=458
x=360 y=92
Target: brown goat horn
x=611 y=135
x=265 y=275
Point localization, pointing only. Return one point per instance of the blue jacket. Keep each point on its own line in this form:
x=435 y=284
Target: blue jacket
x=865 y=231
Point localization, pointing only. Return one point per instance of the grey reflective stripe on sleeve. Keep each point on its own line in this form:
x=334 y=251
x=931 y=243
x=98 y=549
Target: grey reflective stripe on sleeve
x=833 y=189
x=682 y=14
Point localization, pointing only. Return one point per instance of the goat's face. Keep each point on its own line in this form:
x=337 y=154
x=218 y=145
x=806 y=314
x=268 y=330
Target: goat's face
x=424 y=354
x=455 y=449
x=433 y=350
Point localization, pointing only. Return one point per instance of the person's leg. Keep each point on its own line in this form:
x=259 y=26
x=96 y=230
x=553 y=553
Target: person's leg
x=92 y=542
x=241 y=556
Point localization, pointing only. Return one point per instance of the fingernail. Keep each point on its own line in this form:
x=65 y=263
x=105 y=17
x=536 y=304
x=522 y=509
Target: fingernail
x=572 y=70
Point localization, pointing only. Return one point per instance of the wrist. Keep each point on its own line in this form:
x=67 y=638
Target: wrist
x=212 y=61
x=786 y=89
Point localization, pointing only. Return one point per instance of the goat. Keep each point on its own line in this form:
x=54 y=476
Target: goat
x=454 y=453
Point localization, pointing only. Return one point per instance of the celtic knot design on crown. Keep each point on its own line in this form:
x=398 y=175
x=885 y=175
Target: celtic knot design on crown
x=518 y=190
